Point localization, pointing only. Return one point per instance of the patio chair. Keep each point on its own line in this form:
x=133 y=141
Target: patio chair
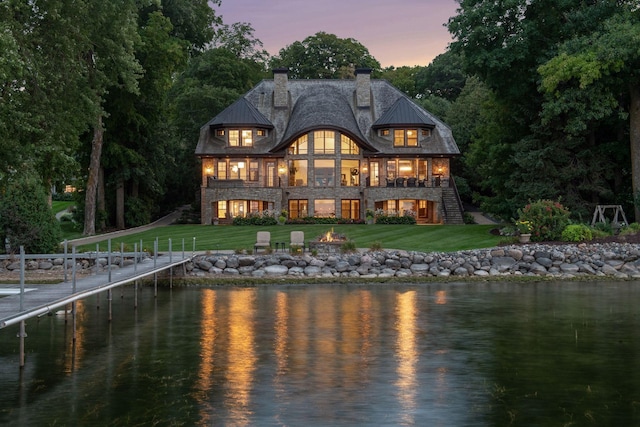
x=411 y=182
x=390 y=182
x=400 y=182
x=263 y=240
x=296 y=240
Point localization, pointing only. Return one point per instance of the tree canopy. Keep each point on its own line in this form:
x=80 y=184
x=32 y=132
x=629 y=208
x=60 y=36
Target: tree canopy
x=533 y=143
x=324 y=56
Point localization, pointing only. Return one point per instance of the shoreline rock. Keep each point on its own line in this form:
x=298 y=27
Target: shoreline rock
x=562 y=261
x=619 y=260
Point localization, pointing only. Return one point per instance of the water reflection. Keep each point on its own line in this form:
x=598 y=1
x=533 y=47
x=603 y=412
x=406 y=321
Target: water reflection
x=485 y=354
x=241 y=355
x=406 y=353
x=208 y=333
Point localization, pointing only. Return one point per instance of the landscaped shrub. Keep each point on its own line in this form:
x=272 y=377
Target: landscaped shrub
x=384 y=217
x=375 y=246
x=323 y=220
x=348 y=247
x=26 y=218
x=632 y=228
x=258 y=218
x=548 y=219
x=577 y=233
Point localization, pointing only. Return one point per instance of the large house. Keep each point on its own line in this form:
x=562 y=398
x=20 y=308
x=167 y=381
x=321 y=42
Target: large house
x=327 y=148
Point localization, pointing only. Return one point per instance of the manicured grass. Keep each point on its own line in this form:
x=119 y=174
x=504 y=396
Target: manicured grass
x=432 y=238
x=59 y=205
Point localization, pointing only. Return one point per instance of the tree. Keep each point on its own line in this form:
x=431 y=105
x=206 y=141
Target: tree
x=528 y=151
x=596 y=69
x=211 y=82
x=44 y=101
x=404 y=78
x=324 y=56
x=111 y=63
x=25 y=216
x=444 y=77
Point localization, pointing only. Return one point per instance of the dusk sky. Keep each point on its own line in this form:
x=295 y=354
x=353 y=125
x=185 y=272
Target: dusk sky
x=396 y=32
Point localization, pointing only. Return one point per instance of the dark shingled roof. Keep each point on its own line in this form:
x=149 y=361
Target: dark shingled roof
x=327 y=104
x=403 y=113
x=241 y=113
x=321 y=106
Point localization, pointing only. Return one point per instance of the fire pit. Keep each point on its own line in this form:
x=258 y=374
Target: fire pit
x=328 y=242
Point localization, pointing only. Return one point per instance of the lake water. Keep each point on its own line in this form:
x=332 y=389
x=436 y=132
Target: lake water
x=458 y=354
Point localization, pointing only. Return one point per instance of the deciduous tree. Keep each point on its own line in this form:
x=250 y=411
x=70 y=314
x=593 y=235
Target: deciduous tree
x=324 y=56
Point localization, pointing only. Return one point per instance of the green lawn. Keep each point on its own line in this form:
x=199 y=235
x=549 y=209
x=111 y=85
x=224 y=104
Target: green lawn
x=58 y=205
x=432 y=238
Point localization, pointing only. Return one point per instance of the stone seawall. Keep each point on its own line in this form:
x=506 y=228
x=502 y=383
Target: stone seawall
x=84 y=265
x=619 y=260
x=615 y=260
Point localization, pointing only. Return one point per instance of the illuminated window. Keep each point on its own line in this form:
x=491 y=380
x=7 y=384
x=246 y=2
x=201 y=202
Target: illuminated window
x=237 y=169
x=222 y=170
x=350 y=208
x=406 y=168
x=240 y=138
x=405 y=137
x=348 y=146
x=221 y=209
x=385 y=132
x=325 y=172
x=220 y=132
x=350 y=173
x=299 y=146
x=412 y=137
x=253 y=170
x=324 y=208
x=426 y=132
x=298 y=173
x=324 y=142
x=261 y=132
x=298 y=208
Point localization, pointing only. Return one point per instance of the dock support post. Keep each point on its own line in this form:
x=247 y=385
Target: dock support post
x=110 y=298
x=121 y=265
x=21 y=334
x=64 y=264
x=73 y=288
x=155 y=275
x=170 y=269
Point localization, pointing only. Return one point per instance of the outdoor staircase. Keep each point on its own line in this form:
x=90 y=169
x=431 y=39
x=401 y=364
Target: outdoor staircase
x=452 y=208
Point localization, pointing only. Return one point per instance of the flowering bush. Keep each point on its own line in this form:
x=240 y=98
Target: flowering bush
x=524 y=227
x=548 y=219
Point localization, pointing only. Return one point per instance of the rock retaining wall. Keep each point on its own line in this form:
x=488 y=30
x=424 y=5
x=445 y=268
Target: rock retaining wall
x=562 y=261
x=54 y=264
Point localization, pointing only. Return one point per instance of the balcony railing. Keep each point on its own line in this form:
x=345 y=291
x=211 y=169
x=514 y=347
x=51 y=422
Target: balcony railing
x=399 y=182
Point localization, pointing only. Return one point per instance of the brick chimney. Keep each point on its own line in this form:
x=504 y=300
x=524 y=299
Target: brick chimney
x=363 y=87
x=280 y=91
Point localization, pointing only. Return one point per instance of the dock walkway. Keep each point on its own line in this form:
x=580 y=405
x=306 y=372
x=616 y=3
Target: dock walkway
x=45 y=298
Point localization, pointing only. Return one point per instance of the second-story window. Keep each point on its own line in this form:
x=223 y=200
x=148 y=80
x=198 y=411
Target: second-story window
x=324 y=142
x=299 y=146
x=240 y=138
x=405 y=137
x=348 y=146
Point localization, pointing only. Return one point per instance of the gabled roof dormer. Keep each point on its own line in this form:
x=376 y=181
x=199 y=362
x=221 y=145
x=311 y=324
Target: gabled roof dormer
x=404 y=113
x=240 y=113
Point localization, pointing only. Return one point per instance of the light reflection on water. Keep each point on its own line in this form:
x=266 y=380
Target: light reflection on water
x=477 y=354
